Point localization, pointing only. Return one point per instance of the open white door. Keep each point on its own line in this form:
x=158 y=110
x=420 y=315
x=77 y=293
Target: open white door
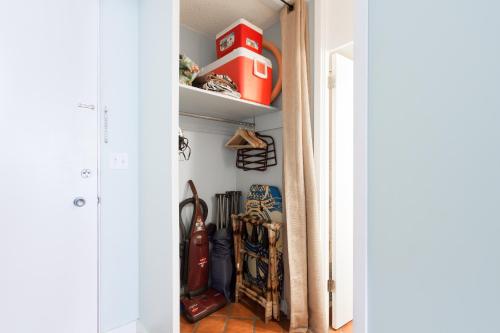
x=341 y=189
x=48 y=168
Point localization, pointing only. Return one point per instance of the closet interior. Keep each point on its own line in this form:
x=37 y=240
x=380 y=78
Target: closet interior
x=230 y=147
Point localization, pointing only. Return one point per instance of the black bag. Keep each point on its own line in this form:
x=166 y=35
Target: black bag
x=222 y=268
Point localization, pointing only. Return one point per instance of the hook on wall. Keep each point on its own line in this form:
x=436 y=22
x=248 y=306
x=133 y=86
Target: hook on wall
x=184 y=148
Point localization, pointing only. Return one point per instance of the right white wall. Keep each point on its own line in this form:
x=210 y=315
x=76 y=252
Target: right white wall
x=433 y=166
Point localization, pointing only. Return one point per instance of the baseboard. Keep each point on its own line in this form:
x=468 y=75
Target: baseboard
x=141 y=328
x=131 y=327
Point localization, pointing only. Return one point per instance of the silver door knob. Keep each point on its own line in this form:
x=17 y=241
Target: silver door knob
x=79 y=202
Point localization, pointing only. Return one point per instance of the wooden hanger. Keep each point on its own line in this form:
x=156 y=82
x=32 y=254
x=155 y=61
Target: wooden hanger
x=245 y=139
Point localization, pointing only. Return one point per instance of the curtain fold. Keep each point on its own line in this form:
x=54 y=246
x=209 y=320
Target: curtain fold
x=305 y=285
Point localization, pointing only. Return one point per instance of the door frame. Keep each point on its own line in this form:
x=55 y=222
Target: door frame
x=322 y=154
x=361 y=166
x=321 y=133
x=361 y=63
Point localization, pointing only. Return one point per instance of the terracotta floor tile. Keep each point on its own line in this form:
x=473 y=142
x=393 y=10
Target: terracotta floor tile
x=240 y=310
x=186 y=326
x=212 y=325
x=270 y=327
x=225 y=311
x=239 y=326
x=347 y=328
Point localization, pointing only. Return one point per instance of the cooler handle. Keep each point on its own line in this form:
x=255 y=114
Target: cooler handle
x=256 y=69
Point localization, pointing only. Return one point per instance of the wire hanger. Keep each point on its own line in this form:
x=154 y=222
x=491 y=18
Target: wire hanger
x=257 y=158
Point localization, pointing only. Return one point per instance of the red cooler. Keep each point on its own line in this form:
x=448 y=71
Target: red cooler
x=239 y=34
x=252 y=73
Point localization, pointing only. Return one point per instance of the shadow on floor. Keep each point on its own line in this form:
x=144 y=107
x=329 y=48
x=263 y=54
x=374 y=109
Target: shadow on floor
x=242 y=317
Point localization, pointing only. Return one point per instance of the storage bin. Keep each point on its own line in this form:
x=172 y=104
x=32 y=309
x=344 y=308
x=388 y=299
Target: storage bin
x=239 y=34
x=252 y=73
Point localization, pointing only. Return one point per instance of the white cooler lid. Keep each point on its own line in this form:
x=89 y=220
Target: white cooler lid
x=238 y=22
x=239 y=52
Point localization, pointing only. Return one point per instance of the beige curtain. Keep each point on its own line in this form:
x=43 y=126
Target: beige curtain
x=305 y=286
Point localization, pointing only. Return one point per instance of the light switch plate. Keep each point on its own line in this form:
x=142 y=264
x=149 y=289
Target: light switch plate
x=118 y=161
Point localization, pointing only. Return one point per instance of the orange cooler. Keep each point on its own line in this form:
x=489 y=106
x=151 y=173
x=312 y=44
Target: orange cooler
x=252 y=73
x=239 y=34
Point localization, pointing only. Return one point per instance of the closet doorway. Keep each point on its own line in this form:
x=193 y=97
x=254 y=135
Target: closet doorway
x=319 y=69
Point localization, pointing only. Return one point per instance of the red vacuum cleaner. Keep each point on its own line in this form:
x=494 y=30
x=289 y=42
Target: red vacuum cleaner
x=199 y=301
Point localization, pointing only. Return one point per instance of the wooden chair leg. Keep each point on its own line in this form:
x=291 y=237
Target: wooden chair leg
x=237 y=224
x=269 y=312
x=273 y=269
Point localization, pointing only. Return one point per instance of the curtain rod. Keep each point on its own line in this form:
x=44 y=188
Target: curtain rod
x=289 y=5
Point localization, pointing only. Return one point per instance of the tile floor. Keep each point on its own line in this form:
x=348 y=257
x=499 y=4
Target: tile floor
x=345 y=329
x=240 y=318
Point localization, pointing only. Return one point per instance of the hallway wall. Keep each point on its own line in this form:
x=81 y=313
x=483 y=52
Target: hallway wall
x=433 y=166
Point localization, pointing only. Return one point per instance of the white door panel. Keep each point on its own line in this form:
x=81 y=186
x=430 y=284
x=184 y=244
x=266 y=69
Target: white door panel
x=48 y=246
x=342 y=195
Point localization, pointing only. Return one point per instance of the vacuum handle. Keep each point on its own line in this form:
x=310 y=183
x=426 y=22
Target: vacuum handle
x=193 y=188
x=198 y=215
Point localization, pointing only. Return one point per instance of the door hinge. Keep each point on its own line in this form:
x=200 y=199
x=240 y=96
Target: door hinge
x=331 y=286
x=331 y=81
x=106 y=125
x=98 y=200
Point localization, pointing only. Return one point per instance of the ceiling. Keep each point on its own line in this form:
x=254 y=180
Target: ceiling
x=212 y=16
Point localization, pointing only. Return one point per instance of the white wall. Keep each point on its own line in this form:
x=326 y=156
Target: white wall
x=197 y=46
x=340 y=23
x=119 y=188
x=158 y=59
x=433 y=166
x=211 y=167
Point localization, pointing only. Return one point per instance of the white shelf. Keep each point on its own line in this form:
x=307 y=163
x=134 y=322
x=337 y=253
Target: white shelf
x=211 y=104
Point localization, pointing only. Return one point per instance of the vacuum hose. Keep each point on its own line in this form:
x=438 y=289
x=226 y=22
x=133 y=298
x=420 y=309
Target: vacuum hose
x=277 y=54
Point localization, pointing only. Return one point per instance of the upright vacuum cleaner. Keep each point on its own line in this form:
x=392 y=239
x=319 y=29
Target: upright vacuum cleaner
x=199 y=301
